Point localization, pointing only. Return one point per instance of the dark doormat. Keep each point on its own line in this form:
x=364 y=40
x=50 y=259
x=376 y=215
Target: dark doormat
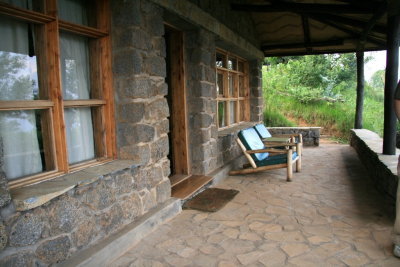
x=211 y=199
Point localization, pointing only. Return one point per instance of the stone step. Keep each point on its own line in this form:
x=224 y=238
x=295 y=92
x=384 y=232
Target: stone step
x=189 y=186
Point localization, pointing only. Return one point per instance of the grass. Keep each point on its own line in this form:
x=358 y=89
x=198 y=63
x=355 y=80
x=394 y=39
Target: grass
x=337 y=118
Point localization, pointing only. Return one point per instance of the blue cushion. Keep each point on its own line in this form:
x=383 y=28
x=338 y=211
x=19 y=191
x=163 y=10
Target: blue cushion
x=262 y=131
x=252 y=141
x=275 y=159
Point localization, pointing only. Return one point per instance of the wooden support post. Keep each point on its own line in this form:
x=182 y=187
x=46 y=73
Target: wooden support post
x=391 y=77
x=358 y=122
x=289 y=166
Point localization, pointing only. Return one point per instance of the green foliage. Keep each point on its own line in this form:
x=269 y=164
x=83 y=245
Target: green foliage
x=321 y=91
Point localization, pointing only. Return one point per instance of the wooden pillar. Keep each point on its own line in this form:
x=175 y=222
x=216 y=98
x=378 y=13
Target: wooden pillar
x=358 y=122
x=391 y=77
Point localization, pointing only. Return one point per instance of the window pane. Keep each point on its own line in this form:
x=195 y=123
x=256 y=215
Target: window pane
x=77 y=11
x=220 y=60
x=221 y=114
x=242 y=89
x=35 y=5
x=79 y=128
x=75 y=66
x=242 y=110
x=232 y=112
x=231 y=85
x=18 y=66
x=241 y=66
x=220 y=84
x=21 y=135
x=232 y=63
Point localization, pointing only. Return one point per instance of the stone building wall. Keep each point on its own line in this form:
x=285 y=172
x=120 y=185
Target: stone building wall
x=141 y=109
x=209 y=148
x=240 y=22
x=202 y=104
x=119 y=192
x=101 y=200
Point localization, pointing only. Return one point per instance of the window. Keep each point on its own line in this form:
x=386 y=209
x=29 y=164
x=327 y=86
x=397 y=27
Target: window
x=232 y=89
x=55 y=88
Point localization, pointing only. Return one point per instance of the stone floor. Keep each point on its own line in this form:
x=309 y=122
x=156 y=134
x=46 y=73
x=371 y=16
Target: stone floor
x=330 y=215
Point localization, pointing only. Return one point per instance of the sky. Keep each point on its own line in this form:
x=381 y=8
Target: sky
x=378 y=63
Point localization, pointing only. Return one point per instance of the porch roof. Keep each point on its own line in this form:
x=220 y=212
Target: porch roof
x=300 y=27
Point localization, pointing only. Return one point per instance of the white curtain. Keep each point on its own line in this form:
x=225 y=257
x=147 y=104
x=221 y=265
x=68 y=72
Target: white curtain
x=76 y=85
x=18 y=81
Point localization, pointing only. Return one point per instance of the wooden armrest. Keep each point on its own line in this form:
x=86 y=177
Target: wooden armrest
x=288 y=135
x=274 y=144
x=267 y=150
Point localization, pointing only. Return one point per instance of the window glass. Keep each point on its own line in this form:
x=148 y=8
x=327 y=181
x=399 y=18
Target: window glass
x=220 y=84
x=241 y=66
x=18 y=66
x=231 y=85
x=242 y=110
x=232 y=63
x=242 y=89
x=75 y=66
x=77 y=11
x=221 y=114
x=79 y=128
x=220 y=60
x=35 y=5
x=20 y=134
x=232 y=112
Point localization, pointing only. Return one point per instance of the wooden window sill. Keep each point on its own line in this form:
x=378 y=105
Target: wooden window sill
x=35 y=195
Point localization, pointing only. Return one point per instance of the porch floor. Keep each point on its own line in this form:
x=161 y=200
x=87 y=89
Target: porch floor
x=329 y=215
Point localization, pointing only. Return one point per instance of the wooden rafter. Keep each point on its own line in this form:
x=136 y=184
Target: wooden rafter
x=305 y=8
x=306 y=32
x=354 y=22
x=371 y=23
x=303 y=45
x=344 y=28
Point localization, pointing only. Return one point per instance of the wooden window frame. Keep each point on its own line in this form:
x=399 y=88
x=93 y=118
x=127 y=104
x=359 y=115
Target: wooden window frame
x=242 y=114
x=101 y=101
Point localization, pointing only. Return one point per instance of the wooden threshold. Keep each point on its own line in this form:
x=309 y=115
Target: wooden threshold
x=178 y=178
x=189 y=186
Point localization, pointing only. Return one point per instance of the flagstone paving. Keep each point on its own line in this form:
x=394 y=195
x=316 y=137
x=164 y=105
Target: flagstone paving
x=330 y=215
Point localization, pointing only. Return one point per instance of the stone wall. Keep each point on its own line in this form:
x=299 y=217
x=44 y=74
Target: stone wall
x=382 y=169
x=209 y=148
x=240 y=22
x=102 y=200
x=310 y=135
x=202 y=104
x=92 y=210
x=139 y=72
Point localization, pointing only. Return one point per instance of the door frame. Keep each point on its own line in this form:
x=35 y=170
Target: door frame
x=179 y=133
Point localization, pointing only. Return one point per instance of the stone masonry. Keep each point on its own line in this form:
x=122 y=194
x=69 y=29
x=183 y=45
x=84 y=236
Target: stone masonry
x=382 y=169
x=121 y=192
x=88 y=213
x=310 y=135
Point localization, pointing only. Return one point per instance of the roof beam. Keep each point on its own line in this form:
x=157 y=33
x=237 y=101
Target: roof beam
x=347 y=30
x=315 y=52
x=304 y=8
x=355 y=23
x=371 y=23
x=306 y=32
x=303 y=45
